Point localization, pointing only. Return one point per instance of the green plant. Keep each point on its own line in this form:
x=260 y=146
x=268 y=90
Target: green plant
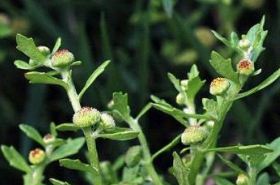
x=201 y=130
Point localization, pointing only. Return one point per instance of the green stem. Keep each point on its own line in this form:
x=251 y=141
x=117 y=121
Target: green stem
x=252 y=176
x=35 y=177
x=91 y=145
x=146 y=152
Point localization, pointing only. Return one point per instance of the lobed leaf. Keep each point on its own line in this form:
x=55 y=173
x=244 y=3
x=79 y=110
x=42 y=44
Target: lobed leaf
x=23 y=65
x=120 y=105
x=32 y=133
x=179 y=170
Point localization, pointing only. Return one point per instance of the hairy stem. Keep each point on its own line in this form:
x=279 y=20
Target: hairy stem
x=91 y=145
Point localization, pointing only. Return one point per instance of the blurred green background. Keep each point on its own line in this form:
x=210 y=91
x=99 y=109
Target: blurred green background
x=145 y=40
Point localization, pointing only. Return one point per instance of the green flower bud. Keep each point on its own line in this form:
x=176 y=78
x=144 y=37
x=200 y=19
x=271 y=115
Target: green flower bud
x=36 y=156
x=218 y=86
x=245 y=67
x=86 y=117
x=244 y=43
x=133 y=156
x=48 y=138
x=184 y=84
x=44 y=50
x=242 y=179
x=193 y=135
x=107 y=121
x=180 y=99
x=62 y=58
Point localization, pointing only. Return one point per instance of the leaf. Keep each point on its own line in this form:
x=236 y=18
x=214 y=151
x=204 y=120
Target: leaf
x=58 y=182
x=53 y=129
x=168 y=6
x=43 y=78
x=210 y=106
x=71 y=147
x=120 y=105
x=15 y=159
x=221 y=38
x=231 y=165
x=194 y=83
x=222 y=181
x=120 y=134
x=57 y=45
x=175 y=82
x=179 y=170
x=247 y=150
x=67 y=127
x=270 y=157
x=77 y=165
x=32 y=133
x=23 y=65
x=144 y=110
x=261 y=86
x=223 y=66
x=93 y=76
x=28 y=47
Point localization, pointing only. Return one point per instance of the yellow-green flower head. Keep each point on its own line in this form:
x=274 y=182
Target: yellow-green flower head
x=44 y=50
x=219 y=86
x=242 y=179
x=180 y=99
x=48 y=138
x=86 y=117
x=244 y=43
x=194 y=134
x=36 y=156
x=62 y=58
x=107 y=121
x=245 y=67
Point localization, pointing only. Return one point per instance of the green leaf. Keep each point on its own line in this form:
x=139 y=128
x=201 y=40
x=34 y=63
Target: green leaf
x=221 y=38
x=168 y=6
x=247 y=150
x=175 y=81
x=120 y=134
x=32 y=133
x=261 y=86
x=133 y=156
x=58 y=182
x=53 y=129
x=23 y=65
x=231 y=165
x=210 y=106
x=28 y=47
x=57 y=45
x=263 y=179
x=223 y=66
x=270 y=157
x=144 y=110
x=93 y=76
x=15 y=159
x=120 y=105
x=194 y=83
x=179 y=170
x=72 y=146
x=67 y=127
x=43 y=78
x=77 y=165
x=222 y=181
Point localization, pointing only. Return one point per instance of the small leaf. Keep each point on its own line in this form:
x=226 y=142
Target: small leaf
x=261 y=86
x=71 y=147
x=76 y=165
x=28 y=47
x=93 y=76
x=43 y=78
x=53 y=129
x=231 y=165
x=120 y=134
x=15 y=159
x=222 y=39
x=23 y=65
x=179 y=170
x=144 y=110
x=223 y=66
x=175 y=81
x=211 y=107
x=263 y=179
x=58 y=182
x=222 y=181
x=168 y=6
x=120 y=105
x=194 y=83
x=32 y=133
x=57 y=45
x=67 y=127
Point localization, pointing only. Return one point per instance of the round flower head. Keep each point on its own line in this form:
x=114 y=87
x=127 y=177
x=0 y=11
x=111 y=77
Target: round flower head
x=180 y=99
x=86 y=117
x=245 y=67
x=244 y=43
x=36 y=156
x=48 y=138
x=218 y=86
x=242 y=179
x=107 y=121
x=194 y=134
x=62 y=58
x=44 y=50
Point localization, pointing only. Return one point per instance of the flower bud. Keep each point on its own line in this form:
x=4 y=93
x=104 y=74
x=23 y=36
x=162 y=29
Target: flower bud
x=180 y=99
x=48 y=138
x=242 y=179
x=244 y=43
x=194 y=134
x=62 y=58
x=245 y=67
x=107 y=121
x=218 y=86
x=44 y=50
x=36 y=156
x=133 y=156
x=86 y=117
x=205 y=36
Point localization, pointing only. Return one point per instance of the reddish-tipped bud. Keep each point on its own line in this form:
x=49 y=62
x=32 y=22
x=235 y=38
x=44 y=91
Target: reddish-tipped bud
x=245 y=67
x=36 y=156
x=107 y=121
x=194 y=134
x=219 y=86
x=86 y=117
x=48 y=138
x=62 y=58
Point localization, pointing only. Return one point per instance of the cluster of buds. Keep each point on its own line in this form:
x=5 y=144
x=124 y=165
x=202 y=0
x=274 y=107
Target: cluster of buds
x=86 y=117
x=194 y=134
x=219 y=86
x=37 y=156
x=62 y=58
